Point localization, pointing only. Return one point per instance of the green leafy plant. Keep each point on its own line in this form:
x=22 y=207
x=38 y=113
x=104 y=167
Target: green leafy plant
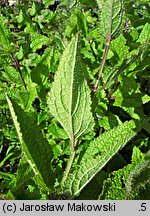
x=76 y=98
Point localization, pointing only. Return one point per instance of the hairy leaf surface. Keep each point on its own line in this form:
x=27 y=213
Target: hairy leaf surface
x=138 y=183
x=99 y=152
x=110 y=16
x=34 y=145
x=114 y=185
x=69 y=99
x=24 y=181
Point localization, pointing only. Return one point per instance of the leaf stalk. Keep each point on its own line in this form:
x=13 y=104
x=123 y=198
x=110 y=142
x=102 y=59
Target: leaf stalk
x=67 y=170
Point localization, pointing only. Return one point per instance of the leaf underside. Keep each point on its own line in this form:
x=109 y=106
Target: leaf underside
x=69 y=99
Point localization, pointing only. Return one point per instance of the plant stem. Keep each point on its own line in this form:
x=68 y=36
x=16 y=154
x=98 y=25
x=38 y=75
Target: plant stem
x=17 y=66
x=69 y=164
x=74 y=146
x=103 y=63
x=112 y=90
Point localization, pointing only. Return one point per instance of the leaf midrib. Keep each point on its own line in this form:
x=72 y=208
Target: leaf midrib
x=71 y=95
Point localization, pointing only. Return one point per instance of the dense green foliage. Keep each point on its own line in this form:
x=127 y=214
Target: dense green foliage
x=74 y=99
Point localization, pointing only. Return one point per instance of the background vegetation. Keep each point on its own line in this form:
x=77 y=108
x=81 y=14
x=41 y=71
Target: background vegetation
x=33 y=37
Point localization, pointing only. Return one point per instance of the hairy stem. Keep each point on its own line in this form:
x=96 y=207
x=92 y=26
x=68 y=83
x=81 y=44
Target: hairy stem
x=74 y=145
x=69 y=164
x=103 y=63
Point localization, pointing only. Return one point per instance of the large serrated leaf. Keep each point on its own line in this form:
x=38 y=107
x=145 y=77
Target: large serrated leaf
x=99 y=152
x=110 y=16
x=69 y=99
x=35 y=146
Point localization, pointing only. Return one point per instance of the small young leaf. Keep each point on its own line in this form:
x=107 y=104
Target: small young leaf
x=38 y=41
x=144 y=36
x=20 y=17
x=32 y=10
x=119 y=46
x=69 y=99
x=47 y=3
